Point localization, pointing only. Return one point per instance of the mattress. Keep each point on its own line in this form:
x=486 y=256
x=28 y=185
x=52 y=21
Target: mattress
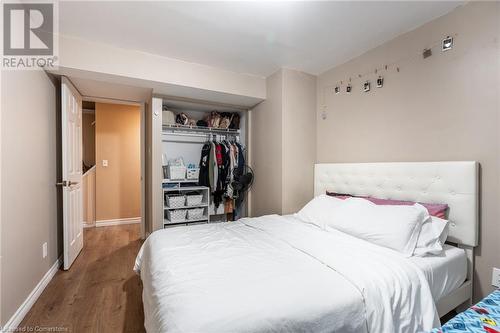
x=275 y=273
x=445 y=272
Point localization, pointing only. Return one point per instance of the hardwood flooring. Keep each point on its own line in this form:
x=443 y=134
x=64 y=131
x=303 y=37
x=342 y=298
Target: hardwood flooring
x=100 y=293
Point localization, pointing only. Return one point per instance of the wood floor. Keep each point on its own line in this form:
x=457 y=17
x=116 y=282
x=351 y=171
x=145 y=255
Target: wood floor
x=100 y=293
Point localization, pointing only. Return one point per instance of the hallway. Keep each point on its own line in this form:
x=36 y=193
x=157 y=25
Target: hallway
x=100 y=293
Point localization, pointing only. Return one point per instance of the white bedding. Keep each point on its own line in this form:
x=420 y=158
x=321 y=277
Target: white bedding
x=276 y=273
x=445 y=272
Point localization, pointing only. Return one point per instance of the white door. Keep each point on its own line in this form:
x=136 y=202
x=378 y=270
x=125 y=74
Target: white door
x=71 y=133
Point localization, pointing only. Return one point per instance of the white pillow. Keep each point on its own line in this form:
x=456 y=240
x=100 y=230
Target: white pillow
x=318 y=211
x=432 y=236
x=394 y=227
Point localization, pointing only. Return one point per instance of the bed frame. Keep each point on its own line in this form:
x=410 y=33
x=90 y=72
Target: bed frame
x=454 y=183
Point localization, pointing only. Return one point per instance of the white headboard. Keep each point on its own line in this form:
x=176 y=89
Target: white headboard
x=453 y=183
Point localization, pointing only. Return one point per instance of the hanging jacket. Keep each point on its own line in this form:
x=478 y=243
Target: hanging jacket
x=241 y=157
x=217 y=191
x=241 y=168
x=232 y=163
x=203 y=178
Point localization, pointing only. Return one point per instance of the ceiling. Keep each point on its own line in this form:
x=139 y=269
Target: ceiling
x=249 y=37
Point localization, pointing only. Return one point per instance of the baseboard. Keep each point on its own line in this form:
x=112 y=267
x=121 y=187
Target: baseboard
x=128 y=220
x=88 y=225
x=25 y=307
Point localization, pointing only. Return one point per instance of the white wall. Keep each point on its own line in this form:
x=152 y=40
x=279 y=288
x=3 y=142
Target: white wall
x=28 y=192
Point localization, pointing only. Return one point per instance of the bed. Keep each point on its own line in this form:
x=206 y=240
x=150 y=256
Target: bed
x=277 y=273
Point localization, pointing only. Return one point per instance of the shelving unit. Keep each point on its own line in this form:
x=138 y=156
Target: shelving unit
x=179 y=181
x=205 y=203
x=186 y=142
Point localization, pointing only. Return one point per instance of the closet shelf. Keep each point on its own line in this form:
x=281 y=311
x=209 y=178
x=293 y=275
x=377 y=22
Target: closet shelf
x=187 y=188
x=203 y=204
x=173 y=181
x=199 y=129
x=168 y=222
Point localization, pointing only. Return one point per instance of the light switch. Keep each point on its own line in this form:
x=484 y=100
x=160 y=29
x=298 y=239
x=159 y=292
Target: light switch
x=104 y=163
x=495 y=277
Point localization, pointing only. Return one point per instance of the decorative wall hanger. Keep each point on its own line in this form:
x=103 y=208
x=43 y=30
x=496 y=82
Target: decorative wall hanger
x=447 y=43
x=427 y=53
x=378 y=74
x=380 y=82
x=366 y=86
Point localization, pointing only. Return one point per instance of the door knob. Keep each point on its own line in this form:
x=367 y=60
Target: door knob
x=65 y=183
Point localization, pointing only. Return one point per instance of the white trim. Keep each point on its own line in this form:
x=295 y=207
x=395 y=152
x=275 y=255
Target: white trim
x=110 y=100
x=28 y=303
x=128 y=220
x=88 y=225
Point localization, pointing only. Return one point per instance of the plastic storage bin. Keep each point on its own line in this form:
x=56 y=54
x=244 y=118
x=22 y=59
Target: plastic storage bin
x=194 y=199
x=176 y=172
x=195 y=213
x=175 y=200
x=193 y=173
x=178 y=215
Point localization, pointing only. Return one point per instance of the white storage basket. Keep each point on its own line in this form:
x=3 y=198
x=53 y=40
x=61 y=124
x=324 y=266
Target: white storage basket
x=194 y=199
x=176 y=172
x=193 y=173
x=178 y=215
x=195 y=213
x=175 y=200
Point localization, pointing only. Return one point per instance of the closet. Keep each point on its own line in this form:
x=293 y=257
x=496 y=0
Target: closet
x=191 y=195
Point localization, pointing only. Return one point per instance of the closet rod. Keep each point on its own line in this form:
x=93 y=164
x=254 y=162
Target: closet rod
x=198 y=129
x=197 y=135
x=187 y=134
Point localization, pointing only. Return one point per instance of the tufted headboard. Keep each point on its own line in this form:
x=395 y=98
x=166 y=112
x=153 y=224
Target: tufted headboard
x=453 y=183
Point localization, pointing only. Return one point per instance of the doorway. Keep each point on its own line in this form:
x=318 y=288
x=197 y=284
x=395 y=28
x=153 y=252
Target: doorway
x=112 y=162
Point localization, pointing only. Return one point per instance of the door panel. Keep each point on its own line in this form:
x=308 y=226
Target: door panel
x=71 y=171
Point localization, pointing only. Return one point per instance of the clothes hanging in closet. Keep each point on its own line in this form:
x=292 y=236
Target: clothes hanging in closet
x=217 y=165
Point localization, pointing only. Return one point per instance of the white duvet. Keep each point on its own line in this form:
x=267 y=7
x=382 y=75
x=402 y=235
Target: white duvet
x=278 y=274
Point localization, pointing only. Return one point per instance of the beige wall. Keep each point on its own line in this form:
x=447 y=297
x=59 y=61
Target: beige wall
x=299 y=130
x=445 y=107
x=164 y=75
x=88 y=138
x=88 y=196
x=29 y=196
x=266 y=142
x=283 y=144
x=118 y=192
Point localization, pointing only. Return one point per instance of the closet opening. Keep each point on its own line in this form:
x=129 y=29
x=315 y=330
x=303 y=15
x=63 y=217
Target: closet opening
x=112 y=156
x=206 y=177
